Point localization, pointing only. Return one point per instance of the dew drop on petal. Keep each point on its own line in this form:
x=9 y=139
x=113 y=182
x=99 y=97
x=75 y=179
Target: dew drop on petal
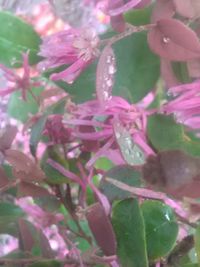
x=109 y=83
x=105 y=75
x=111 y=69
x=166 y=40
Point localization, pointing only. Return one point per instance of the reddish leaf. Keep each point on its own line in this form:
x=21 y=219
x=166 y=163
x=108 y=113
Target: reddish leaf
x=102 y=229
x=106 y=69
x=188 y=8
x=19 y=160
x=23 y=167
x=25 y=189
x=194 y=68
x=7 y=137
x=3 y=178
x=191 y=190
x=174 y=172
x=173 y=40
x=117 y=22
x=163 y=9
x=31 y=237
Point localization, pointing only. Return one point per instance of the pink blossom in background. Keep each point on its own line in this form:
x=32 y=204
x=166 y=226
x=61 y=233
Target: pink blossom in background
x=74 y=47
x=17 y=82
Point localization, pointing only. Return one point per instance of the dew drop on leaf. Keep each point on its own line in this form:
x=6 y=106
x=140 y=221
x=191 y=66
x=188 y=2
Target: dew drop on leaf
x=130 y=151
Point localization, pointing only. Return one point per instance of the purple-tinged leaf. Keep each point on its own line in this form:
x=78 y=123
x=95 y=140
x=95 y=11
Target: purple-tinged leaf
x=163 y=9
x=102 y=229
x=18 y=160
x=130 y=151
x=23 y=167
x=106 y=69
x=25 y=189
x=173 y=40
x=194 y=68
x=174 y=172
x=118 y=23
x=188 y=9
x=7 y=137
x=32 y=238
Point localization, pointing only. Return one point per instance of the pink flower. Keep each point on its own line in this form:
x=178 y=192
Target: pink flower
x=74 y=47
x=185 y=104
x=17 y=82
x=101 y=127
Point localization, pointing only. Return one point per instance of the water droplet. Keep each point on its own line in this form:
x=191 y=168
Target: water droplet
x=43 y=68
x=109 y=83
x=109 y=59
x=127 y=151
x=118 y=135
x=111 y=69
x=70 y=82
x=138 y=154
x=166 y=40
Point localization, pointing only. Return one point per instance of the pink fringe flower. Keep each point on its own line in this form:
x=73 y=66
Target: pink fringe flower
x=74 y=47
x=185 y=104
x=100 y=127
x=17 y=82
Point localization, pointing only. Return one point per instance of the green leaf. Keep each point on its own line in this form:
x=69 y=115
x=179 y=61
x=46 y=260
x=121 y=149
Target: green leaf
x=161 y=228
x=21 y=110
x=9 y=213
x=181 y=71
x=197 y=242
x=83 y=88
x=54 y=176
x=139 y=16
x=165 y=134
x=130 y=233
x=16 y=37
x=46 y=263
x=142 y=67
x=123 y=173
x=36 y=134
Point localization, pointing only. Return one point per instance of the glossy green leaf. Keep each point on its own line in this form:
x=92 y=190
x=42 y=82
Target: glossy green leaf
x=128 y=225
x=36 y=134
x=142 y=67
x=161 y=228
x=21 y=110
x=16 y=37
x=165 y=134
x=123 y=173
x=9 y=213
x=138 y=16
